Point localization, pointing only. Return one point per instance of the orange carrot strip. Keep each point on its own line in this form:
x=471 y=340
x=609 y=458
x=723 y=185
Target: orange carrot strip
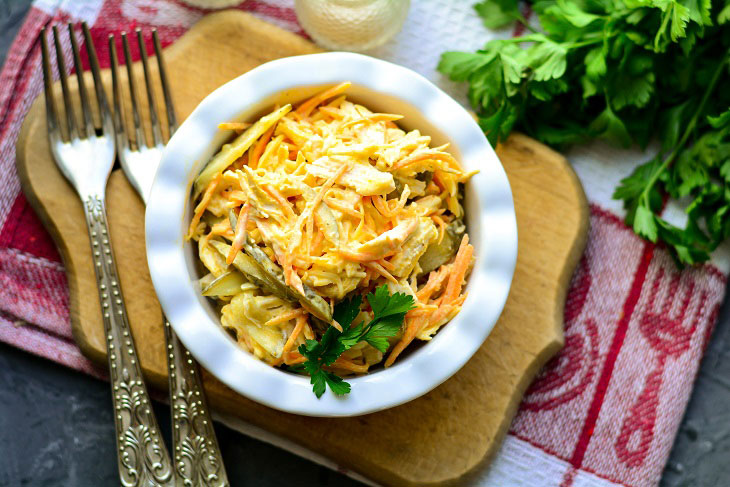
x=413 y=325
x=238 y=126
x=415 y=322
x=240 y=234
x=200 y=209
x=344 y=364
x=435 y=280
x=386 y=264
x=306 y=108
x=291 y=277
x=361 y=256
x=380 y=270
x=381 y=206
x=316 y=245
x=375 y=117
x=289 y=315
x=293 y=358
x=461 y=265
x=335 y=204
x=332 y=112
x=424 y=156
x=336 y=102
x=301 y=321
x=442 y=226
x=280 y=199
x=260 y=146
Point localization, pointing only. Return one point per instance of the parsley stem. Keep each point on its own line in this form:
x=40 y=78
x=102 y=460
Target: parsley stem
x=687 y=132
x=662 y=30
x=522 y=20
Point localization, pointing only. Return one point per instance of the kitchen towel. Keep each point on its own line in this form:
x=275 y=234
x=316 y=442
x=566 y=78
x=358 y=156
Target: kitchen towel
x=604 y=412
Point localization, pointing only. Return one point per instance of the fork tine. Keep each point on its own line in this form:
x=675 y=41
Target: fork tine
x=95 y=72
x=121 y=132
x=154 y=121
x=170 y=108
x=70 y=117
x=51 y=117
x=85 y=108
x=138 y=133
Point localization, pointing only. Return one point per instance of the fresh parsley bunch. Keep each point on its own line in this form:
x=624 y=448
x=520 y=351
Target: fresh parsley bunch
x=627 y=71
x=389 y=312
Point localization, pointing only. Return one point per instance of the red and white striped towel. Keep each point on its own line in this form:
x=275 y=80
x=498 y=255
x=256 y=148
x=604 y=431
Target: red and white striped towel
x=604 y=412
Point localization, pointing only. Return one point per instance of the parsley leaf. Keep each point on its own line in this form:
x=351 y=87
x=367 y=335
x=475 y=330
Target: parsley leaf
x=625 y=71
x=383 y=304
x=388 y=314
x=498 y=13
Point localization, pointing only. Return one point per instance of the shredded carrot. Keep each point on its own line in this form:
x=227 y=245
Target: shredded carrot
x=260 y=146
x=381 y=270
x=289 y=315
x=240 y=162
x=332 y=112
x=424 y=156
x=337 y=205
x=240 y=234
x=359 y=256
x=419 y=312
x=344 y=364
x=316 y=244
x=381 y=206
x=461 y=265
x=336 y=102
x=237 y=126
x=293 y=358
x=442 y=226
x=285 y=205
x=415 y=322
x=413 y=325
x=308 y=211
x=375 y=117
x=387 y=265
x=308 y=333
x=432 y=188
x=301 y=321
x=200 y=209
x=306 y=108
x=435 y=279
x=291 y=276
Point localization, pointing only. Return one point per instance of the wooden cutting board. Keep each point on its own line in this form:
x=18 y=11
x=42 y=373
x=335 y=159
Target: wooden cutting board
x=434 y=440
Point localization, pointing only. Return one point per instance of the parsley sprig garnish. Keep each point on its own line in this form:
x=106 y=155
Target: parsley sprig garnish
x=626 y=71
x=388 y=314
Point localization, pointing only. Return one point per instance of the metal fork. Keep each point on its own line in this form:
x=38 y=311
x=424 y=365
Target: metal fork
x=85 y=158
x=198 y=460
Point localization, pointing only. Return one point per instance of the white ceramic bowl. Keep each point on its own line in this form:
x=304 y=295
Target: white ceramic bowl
x=382 y=87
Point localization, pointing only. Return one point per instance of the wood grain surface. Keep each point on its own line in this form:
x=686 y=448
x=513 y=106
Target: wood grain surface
x=434 y=440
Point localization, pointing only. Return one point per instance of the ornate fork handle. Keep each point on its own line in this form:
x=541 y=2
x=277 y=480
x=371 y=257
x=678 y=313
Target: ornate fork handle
x=198 y=461
x=143 y=459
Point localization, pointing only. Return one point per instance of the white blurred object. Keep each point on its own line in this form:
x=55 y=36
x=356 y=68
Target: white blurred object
x=212 y=3
x=353 y=25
